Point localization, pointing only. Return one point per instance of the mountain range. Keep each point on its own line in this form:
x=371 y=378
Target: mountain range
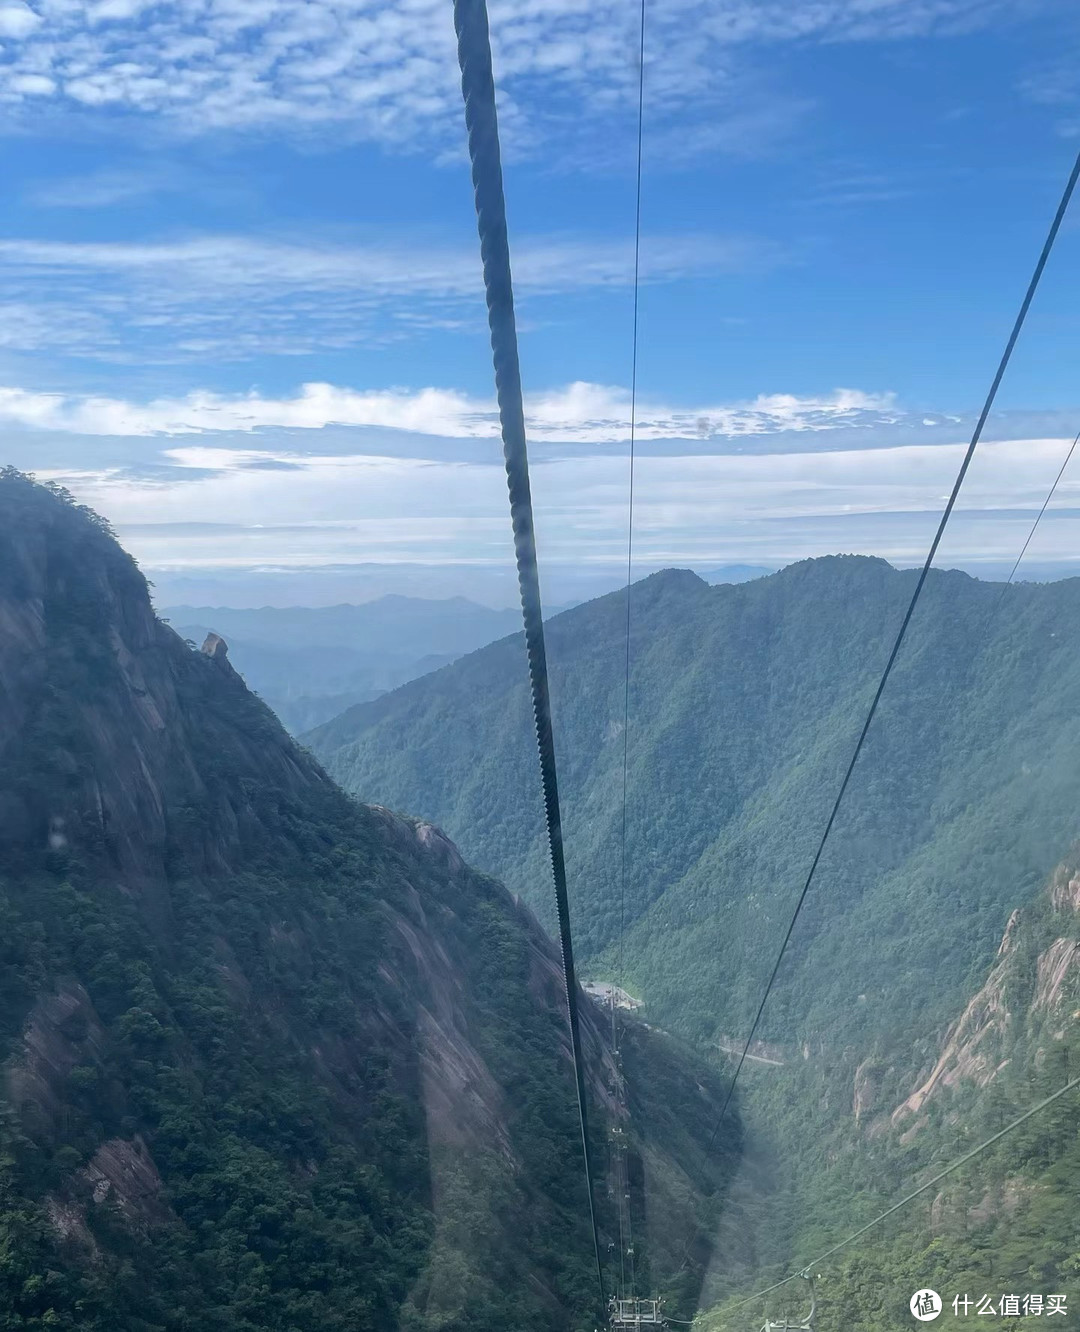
x=744 y=705
x=272 y=1058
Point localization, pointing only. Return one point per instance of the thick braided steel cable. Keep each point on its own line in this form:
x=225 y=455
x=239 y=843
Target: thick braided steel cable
x=616 y=1153
x=481 y=120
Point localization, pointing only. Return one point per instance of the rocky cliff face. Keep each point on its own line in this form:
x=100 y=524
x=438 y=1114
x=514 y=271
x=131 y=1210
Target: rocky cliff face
x=103 y=709
x=1028 y=1004
x=271 y=1058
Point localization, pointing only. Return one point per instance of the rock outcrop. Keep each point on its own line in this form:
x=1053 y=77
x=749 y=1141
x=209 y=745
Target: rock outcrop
x=1029 y=996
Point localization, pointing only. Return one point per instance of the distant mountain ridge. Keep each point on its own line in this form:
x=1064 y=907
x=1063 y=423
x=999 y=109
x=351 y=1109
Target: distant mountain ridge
x=310 y=663
x=745 y=702
x=735 y=573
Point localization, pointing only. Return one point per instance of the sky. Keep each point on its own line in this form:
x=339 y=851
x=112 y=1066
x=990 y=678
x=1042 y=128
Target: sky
x=241 y=310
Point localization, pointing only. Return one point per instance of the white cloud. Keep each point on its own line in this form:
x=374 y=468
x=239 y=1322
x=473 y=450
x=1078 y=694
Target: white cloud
x=33 y=85
x=388 y=73
x=228 y=508
x=34 y=327
x=553 y=264
x=233 y=297
x=18 y=21
x=582 y=413
x=333 y=476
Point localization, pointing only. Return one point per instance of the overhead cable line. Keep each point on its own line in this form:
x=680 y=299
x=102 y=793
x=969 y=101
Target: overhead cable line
x=1045 y=505
x=630 y=507
x=995 y=609
x=481 y=120
x=1034 y=527
x=626 y=1240
x=915 y=1193
x=1018 y=324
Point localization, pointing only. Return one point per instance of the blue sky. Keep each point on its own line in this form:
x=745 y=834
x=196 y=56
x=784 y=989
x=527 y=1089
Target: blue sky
x=241 y=308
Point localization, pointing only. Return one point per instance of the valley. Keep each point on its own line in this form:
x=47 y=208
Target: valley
x=539 y=666
x=257 y=1033
x=744 y=704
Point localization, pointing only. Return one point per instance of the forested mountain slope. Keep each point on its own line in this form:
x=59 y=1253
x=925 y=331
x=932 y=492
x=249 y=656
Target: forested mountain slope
x=1003 y=1224
x=745 y=702
x=271 y=1059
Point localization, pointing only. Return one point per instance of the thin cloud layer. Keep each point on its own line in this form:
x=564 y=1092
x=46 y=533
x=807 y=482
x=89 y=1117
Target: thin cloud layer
x=580 y=413
x=215 y=508
x=334 y=477
x=235 y=297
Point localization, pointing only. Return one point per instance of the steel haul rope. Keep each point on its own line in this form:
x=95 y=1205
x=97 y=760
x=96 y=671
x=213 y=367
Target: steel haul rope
x=481 y=120
x=1033 y=529
x=916 y=1193
x=626 y=1240
x=1018 y=324
x=630 y=503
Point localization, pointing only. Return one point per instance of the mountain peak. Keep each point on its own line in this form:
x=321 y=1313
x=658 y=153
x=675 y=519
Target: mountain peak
x=667 y=583
x=98 y=717
x=831 y=565
x=676 y=577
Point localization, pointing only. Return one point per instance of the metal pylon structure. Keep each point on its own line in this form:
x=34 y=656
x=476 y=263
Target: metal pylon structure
x=803 y=1324
x=630 y=1315
x=627 y=1311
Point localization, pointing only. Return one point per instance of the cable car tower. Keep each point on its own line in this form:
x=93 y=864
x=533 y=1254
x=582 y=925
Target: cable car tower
x=632 y=1314
x=804 y=1324
x=627 y=1311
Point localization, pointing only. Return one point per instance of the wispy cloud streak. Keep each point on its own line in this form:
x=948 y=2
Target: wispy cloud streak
x=235 y=297
x=580 y=413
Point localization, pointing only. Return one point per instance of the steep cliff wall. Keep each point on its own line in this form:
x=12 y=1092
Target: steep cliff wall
x=1028 y=1003
x=271 y=1058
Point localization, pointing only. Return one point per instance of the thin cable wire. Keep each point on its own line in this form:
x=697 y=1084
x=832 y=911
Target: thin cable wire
x=989 y=619
x=995 y=609
x=627 y=1243
x=630 y=1229
x=630 y=513
x=616 y=1154
x=1034 y=528
x=1045 y=505
x=1018 y=324
x=915 y=1193
x=478 y=92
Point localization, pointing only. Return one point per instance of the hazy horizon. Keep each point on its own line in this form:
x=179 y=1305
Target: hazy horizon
x=494 y=588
